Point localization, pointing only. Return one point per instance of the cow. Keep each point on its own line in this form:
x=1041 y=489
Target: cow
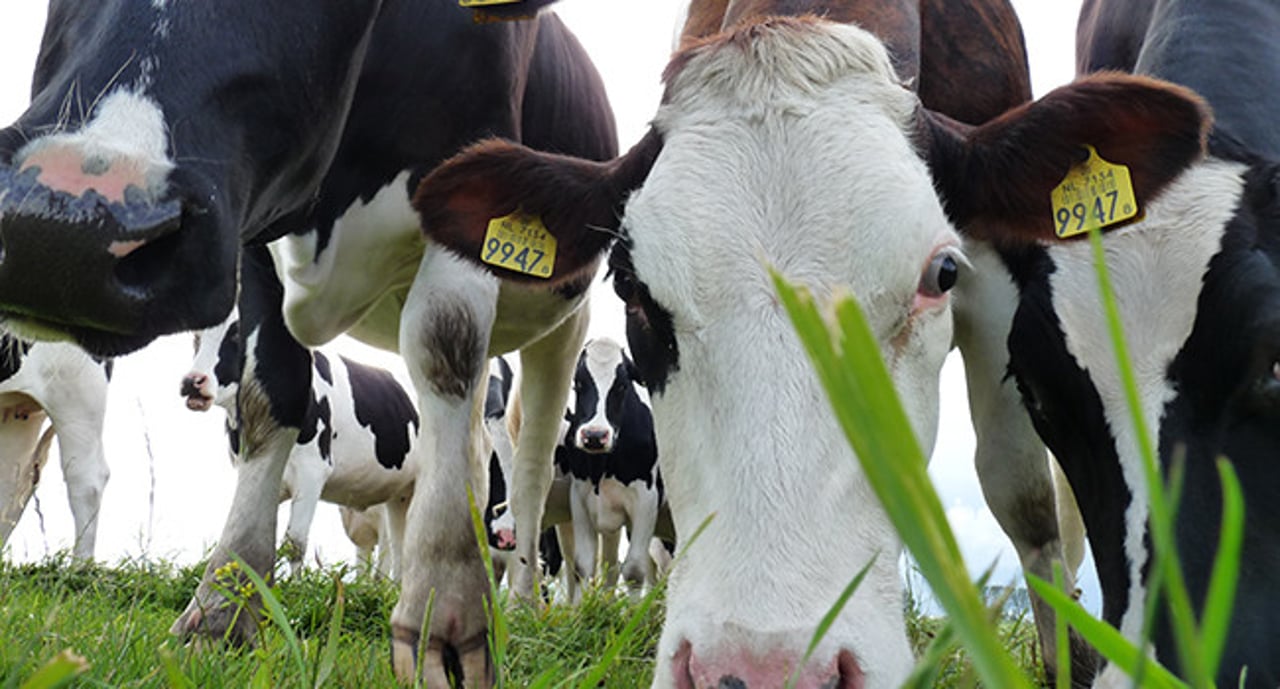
x=167 y=143
x=61 y=384
x=792 y=141
x=357 y=449
x=609 y=453
x=1196 y=282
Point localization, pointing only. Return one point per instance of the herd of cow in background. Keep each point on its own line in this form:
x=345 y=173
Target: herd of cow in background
x=884 y=148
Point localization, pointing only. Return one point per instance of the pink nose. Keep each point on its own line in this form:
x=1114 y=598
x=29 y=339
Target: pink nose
x=66 y=169
x=727 y=668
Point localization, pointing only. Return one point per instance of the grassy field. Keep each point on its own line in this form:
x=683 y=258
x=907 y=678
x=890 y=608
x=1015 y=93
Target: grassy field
x=117 y=620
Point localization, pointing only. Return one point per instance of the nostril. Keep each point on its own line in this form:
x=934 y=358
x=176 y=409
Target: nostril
x=143 y=263
x=849 y=672
x=680 y=666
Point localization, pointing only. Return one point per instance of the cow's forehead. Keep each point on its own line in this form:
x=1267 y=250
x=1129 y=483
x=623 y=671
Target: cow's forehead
x=797 y=154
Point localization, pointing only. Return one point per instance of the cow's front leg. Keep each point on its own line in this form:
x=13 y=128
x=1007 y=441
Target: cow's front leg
x=1011 y=462
x=544 y=389
x=306 y=478
x=275 y=389
x=444 y=338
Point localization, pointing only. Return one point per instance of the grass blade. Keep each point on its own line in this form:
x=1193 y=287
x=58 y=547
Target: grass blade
x=276 y=613
x=1102 y=636
x=867 y=407
x=1220 y=601
x=329 y=656
x=829 y=619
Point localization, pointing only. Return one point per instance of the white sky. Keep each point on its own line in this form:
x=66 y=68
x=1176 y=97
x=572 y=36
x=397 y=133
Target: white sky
x=171 y=479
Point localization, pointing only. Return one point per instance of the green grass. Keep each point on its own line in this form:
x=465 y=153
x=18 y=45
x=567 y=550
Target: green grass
x=117 y=619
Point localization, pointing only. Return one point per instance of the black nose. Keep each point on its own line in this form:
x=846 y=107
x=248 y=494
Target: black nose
x=71 y=260
x=191 y=386
x=594 y=439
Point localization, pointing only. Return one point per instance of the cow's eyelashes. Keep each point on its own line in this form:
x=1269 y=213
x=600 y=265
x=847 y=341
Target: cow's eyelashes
x=941 y=273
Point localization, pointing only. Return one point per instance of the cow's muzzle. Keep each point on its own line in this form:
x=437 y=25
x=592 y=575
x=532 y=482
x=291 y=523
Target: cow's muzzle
x=70 y=263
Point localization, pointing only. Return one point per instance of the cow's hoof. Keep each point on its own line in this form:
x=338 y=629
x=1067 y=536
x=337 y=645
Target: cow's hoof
x=442 y=664
x=213 y=619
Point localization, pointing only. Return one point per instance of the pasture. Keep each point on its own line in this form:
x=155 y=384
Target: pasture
x=116 y=619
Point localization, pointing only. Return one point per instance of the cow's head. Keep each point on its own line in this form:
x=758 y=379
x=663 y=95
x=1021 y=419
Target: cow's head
x=159 y=135
x=1196 y=279
x=605 y=389
x=215 y=371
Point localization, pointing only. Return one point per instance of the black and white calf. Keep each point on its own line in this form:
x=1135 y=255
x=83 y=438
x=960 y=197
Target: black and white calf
x=60 y=383
x=611 y=458
x=357 y=448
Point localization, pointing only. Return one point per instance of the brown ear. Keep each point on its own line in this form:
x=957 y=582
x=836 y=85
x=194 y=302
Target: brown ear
x=997 y=179
x=578 y=201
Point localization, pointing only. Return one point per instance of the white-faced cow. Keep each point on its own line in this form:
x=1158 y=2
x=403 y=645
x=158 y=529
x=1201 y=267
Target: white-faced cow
x=1196 y=278
x=357 y=448
x=793 y=143
x=609 y=453
x=63 y=385
x=167 y=141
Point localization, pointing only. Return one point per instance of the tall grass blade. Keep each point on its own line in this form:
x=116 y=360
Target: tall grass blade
x=1161 y=520
x=1216 y=619
x=930 y=663
x=277 y=615
x=1105 y=638
x=1061 y=635
x=329 y=655
x=867 y=407
x=829 y=619
x=499 y=632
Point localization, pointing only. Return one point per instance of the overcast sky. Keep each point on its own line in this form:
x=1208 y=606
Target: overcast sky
x=171 y=479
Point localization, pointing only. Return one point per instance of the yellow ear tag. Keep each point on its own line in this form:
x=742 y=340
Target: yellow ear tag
x=486 y=3
x=1094 y=194
x=520 y=243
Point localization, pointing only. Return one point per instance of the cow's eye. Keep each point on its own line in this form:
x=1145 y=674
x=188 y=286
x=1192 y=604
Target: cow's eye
x=624 y=286
x=940 y=274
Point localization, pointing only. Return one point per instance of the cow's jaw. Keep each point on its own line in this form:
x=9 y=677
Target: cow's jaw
x=794 y=154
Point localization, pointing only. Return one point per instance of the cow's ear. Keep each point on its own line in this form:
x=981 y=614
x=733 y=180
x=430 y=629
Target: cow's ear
x=577 y=202
x=997 y=179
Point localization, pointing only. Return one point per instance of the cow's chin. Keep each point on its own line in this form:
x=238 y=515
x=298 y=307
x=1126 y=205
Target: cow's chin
x=97 y=343
x=199 y=403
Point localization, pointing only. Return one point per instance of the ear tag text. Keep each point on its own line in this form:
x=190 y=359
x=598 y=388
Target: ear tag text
x=520 y=243
x=1094 y=194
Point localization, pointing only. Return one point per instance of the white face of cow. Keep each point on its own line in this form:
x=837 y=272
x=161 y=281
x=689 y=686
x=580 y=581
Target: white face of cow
x=792 y=150
x=215 y=369
x=600 y=384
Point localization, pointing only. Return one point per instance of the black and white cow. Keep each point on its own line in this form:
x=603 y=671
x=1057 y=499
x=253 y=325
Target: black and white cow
x=745 y=165
x=1197 y=281
x=61 y=384
x=164 y=136
x=356 y=450
x=609 y=453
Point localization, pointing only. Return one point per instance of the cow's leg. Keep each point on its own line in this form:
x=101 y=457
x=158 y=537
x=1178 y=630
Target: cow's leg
x=568 y=565
x=1011 y=461
x=23 y=454
x=444 y=337
x=275 y=389
x=637 y=569
x=307 y=474
x=391 y=540
x=84 y=468
x=586 y=539
x=610 y=541
x=544 y=389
